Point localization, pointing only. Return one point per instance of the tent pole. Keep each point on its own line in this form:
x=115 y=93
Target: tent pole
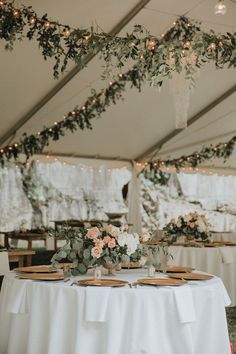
x=67 y=78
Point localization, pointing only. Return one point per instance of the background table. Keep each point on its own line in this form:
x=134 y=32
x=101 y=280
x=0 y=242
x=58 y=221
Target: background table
x=19 y=256
x=224 y=236
x=220 y=261
x=56 y=318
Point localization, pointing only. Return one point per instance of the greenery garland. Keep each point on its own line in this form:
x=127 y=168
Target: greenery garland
x=81 y=118
x=185 y=45
x=224 y=150
x=64 y=43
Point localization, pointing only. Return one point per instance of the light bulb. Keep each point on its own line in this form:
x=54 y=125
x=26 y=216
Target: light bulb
x=220 y=8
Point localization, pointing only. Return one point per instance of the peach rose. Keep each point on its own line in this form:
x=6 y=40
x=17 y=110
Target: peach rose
x=107 y=239
x=191 y=224
x=96 y=252
x=99 y=243
x=112 y=243
x=93 y=233
x=112 y=230
x=145 y=237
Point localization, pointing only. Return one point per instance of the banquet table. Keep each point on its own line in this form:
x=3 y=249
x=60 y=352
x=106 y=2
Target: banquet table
x=220 y=261
x=224 y=236
x=57 y=318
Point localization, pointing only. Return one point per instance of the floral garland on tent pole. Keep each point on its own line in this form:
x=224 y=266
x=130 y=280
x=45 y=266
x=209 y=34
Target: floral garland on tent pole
x=183 y=42
x=184 y=45
x=154 y=170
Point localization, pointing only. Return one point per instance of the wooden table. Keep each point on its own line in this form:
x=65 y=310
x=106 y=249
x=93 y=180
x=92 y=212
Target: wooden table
x=26 y=236
x=19 y=256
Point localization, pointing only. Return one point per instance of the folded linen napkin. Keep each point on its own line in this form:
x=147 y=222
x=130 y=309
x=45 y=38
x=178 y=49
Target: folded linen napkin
x=226 y=255
x=4 y=263
x=185 y=306
x=96 y=304
x=17 y=301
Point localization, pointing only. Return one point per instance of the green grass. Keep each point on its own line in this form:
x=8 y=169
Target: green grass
x=231 y=317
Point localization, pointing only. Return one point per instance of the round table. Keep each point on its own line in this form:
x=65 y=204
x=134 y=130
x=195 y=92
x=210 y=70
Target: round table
x=224 y=236
x=56 y=318
x=220 y=261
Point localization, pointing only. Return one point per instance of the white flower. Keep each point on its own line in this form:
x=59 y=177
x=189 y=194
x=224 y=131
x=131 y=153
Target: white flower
x=129 y=240
x=179 y=223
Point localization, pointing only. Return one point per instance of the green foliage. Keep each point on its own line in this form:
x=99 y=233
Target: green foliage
x=183 y=46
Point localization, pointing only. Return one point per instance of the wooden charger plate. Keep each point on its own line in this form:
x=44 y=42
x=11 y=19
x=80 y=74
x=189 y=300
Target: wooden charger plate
x=131 y=265
x=41 y=276
x=161 y=281
x=102 y=282
x=176 y=269
x=36 y=269
x=191 y=276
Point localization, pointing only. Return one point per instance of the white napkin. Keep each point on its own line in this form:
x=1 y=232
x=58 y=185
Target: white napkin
x=4 y=263
x=96 y=304
x=226 y=255
x=184 y=302
x=17 y=301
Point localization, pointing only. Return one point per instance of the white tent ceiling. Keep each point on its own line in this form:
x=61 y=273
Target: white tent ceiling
x=142 y=120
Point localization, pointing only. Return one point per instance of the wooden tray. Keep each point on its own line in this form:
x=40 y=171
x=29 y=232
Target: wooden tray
x=191 y=276
x=132 y=265
x=212 y=244
x=161 y=281
x=102 y=282
x=176 y=269
x=36 y=269
x=42 y=276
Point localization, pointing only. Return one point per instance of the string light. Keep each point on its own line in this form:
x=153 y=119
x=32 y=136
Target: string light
x=66 y=33
x=212 y=46
x=151 y=44
x=32 y=21
x=16 y=13
x=1 y=3
x=131 y=45
x=187 y=45
x=86 y=40
x=47 y=25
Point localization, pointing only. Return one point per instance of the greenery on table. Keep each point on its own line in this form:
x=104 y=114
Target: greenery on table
x=87 y=247
x=192 y=224
x=183 y=47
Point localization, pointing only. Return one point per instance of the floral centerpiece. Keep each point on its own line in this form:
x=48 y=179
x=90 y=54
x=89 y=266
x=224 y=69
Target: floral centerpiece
x=88 y=247
x=192 y=225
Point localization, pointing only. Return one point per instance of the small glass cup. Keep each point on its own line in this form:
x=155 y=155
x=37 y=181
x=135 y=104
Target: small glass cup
x=97 y=273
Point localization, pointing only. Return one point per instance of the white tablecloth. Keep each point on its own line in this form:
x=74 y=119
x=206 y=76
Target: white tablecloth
x=220 y=261
x=56 y=318
x=4 y=263
x=224 y=236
